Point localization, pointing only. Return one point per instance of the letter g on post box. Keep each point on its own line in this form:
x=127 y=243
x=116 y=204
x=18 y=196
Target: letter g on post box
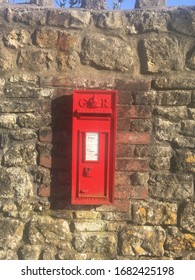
x=93 y=146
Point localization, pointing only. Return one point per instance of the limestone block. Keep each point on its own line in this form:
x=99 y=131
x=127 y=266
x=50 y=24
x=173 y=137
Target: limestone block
x=178 y=242
x=15 y=182
x=184 y=160
x=96 y=242
x=139 y=179
x=175 y=83
x=171 y=186
x=27 y=79
x=160 y=157
x=11 y=233
x=174 y=114
x=141 y=4
x=165 y=129
x=59 y=17
x=173 y=98
x=191 y=113
x=23 y=134
x=112 y=20
x=190 y=61
x=26 y=16
x=161 y=54
x=46 y=37
x=143 y=240
x=17 y=39
x=154 y=212
x=79 y=19
x=8 y=121
x=106 y=53
x=184 y=141
x=183 y=20
x=187 y=217
x=30 y=252
x=83 y=226
x=8 y=255
x=35 y=60
x=47 y=230
x=21 y=91
x=141 y=21
x=188 y=127
x=31 y=120
x=20 y=155
x=6 y=59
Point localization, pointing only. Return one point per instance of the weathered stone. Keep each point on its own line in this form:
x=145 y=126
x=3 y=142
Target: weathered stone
x=96 y=242
x=188 y=127
x=23 y=134
x=59 y=18
x=173 y=98
x=140 y=125
x=30 y=252
x=20 y=155
x=171 y=186
x=177 y=242
x=84 y=226
x=110 y=20
x=17 y=39
x=187 y=217
x=154 y=212
x=27 y=79
x=190 y=61
x=146 y=21
x=86 y=215
x=79 y=19
x=9 y=208
x=50 y=253
x=183 y=20
x=34 y=121
x=184 y=142
x=106 y=53
x=44 y=229
x=142 y=240
x=141 y=4
x=17 y=106
x=191 y=113
x=46 y=38
x=15 y=91
x=35 y=60
x=11 y=233
x=14 y=181
x=8 y=121
x=160 y=157
x=139 y=179
x=174 y=83
x=27 y=16
x=166 y=130
x=8 y=255
x=173 y=114
x=6 y=59
x=188 y=256
x=159 y=55
x=184 y=160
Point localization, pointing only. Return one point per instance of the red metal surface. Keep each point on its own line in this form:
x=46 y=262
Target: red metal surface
x=93 y=146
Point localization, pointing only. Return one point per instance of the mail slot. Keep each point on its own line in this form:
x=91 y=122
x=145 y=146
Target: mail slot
x=93 y=146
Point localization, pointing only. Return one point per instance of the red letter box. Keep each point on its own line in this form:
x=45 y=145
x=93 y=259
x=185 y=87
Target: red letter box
x=93 y=146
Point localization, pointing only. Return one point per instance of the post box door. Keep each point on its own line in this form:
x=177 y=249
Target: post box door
x=93 y=150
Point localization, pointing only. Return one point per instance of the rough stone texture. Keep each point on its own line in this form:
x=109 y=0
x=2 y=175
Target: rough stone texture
x=147 y=55
x=98 y=52
x=143 y=240
x=94 y=4
x=171 y=187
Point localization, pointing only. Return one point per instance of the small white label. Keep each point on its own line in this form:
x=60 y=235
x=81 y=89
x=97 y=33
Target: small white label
x=92 y=146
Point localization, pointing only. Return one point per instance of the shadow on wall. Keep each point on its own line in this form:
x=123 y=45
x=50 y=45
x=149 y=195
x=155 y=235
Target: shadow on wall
x=60 y=196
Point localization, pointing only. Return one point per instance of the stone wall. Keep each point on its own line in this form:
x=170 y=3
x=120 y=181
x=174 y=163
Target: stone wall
x=149 y=57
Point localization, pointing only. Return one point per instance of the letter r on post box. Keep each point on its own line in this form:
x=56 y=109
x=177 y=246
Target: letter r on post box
x=93 y=146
